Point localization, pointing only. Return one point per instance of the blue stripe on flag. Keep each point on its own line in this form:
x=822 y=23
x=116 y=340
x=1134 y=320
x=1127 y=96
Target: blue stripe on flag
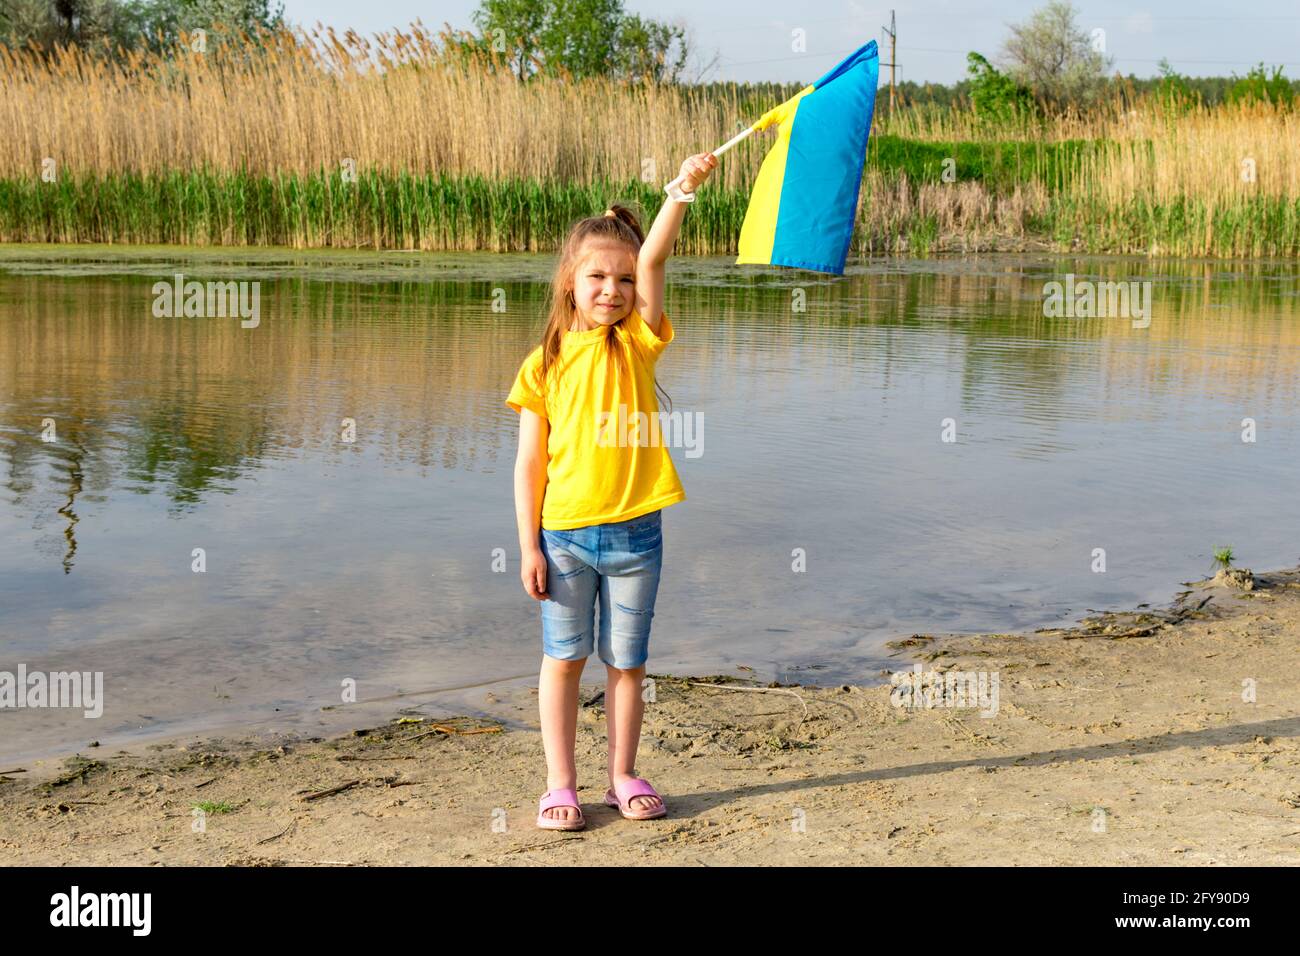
x=823 y=171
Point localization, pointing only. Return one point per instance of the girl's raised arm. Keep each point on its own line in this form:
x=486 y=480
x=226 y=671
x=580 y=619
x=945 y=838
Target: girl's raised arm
x=658 y=245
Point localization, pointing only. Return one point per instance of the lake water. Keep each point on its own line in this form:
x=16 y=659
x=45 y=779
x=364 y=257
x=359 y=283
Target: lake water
x=823 y=430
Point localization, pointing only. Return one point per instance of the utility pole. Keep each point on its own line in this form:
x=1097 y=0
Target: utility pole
x=891 y=31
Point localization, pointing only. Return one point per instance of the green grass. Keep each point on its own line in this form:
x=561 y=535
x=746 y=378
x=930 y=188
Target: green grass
x=322 y=210
x=404 y=211
x=923 y=235
x=998 y=165
x=1253 y=227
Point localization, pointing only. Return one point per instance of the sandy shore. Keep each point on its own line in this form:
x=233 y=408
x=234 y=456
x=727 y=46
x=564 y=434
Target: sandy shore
x=1123 y=740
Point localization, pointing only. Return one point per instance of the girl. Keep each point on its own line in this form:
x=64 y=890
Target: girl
x=589 y=490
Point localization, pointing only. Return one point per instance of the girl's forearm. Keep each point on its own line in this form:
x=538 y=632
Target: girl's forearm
x=658 y=245
x=530 y=489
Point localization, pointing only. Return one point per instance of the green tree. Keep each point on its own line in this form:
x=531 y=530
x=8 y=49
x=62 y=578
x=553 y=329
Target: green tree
x=581 y=38
x=111 y=25
x=1258 y=86
x=48 y=23
x=1052 y=55
x=165 y=20
x=650 y=50
x=511 y=28
x=993 y=94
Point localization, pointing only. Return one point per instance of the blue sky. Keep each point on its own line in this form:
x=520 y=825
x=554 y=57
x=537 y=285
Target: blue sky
x=753 y=37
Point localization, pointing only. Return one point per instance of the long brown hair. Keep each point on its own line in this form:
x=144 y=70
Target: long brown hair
x=622 y=227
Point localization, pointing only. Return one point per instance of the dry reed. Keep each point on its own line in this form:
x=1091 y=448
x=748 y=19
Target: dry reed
x=394 y=109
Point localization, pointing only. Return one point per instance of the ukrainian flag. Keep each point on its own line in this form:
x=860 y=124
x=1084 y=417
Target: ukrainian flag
x=802 y=208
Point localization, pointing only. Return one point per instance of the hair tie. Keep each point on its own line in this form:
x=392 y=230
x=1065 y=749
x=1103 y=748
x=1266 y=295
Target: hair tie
x=611 y=214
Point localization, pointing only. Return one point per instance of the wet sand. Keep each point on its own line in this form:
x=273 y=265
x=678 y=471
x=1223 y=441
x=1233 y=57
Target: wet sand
x=1123 y=740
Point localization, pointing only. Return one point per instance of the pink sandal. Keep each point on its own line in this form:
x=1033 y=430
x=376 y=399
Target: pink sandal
x=559 y=798
x=621 y=796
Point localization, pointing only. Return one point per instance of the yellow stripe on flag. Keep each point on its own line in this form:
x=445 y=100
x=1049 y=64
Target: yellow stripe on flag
x=758 y=233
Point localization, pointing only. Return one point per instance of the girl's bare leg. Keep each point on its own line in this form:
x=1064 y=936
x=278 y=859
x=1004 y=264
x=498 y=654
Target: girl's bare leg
x=624 y=708
x=557 y=701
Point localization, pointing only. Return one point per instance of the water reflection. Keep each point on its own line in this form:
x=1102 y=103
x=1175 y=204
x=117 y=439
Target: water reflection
x=372 y=559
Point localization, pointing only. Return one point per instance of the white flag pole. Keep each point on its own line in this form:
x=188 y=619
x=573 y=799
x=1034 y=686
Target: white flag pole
x=674 y=188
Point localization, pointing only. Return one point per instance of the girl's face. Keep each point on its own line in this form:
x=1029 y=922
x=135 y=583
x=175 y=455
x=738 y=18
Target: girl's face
x=604 y=284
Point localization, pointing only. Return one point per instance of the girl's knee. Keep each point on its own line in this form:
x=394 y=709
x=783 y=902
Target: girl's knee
x=638 y=671
x=564 y=665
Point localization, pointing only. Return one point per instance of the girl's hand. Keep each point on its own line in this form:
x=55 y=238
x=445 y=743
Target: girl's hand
x=533 y=574
x=697 y=169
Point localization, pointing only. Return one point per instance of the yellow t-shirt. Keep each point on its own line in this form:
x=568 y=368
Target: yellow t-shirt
x=604 y=465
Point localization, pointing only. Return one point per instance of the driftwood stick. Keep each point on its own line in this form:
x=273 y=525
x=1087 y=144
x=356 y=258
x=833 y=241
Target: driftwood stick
x=445 y=729
x=333 y=790
x=755 y=690
x=544 y=846
x=329 y=862
x=277 y=836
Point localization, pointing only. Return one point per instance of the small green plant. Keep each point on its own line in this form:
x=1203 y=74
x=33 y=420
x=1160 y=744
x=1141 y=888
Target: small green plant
x=1223 y=557
x=207 y=806
x=923 y=235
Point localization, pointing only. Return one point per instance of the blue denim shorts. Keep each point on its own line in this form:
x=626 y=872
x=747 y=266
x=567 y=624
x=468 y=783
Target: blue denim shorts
x=617 y=562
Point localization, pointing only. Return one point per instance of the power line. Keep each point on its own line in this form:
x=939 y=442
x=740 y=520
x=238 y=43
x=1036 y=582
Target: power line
x=922 y=49
x=1090 y=19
